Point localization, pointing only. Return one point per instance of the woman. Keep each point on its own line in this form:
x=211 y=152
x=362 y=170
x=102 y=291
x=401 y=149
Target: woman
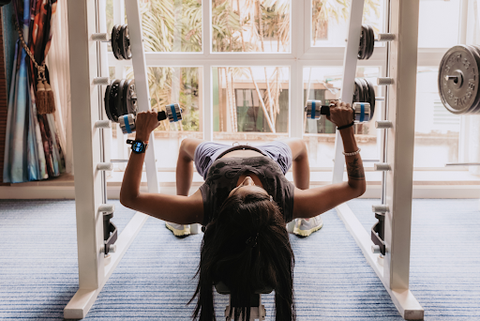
x=244 y=205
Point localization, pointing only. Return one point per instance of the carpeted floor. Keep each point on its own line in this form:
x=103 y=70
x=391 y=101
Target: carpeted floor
x=38 y=267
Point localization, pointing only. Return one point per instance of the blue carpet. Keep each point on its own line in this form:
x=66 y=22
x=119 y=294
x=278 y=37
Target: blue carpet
x=38 y=267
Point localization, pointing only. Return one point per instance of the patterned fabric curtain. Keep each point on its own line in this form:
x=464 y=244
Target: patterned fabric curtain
x=32 y=148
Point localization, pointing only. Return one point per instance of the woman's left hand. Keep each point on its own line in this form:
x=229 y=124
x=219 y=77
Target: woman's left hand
x=341 y=114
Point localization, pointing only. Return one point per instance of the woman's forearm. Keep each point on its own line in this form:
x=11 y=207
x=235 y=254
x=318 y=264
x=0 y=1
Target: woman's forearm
x=355 y=170
x=133 y=174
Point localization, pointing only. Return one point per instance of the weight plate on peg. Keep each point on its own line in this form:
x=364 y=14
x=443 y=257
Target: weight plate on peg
x=362 y=47
x=110 y=105
x=119 y=99
x=356 y=92
x=114 y=43
x=362 y=91
x=366 y=90
x=124 y=43
x=129 y=96
x=458 y=80
x=370 y=42
x=371 y=97
x=110 y=113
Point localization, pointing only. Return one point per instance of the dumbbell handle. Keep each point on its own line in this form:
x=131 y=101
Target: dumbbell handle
x=161 y=115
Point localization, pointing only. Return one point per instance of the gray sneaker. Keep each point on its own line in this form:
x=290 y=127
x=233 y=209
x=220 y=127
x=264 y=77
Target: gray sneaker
x=178 y=230
x=304 y=227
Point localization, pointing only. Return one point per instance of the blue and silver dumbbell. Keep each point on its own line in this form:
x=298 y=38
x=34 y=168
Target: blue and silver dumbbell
x=361 y=111
x=363 y=103
x=172 y=112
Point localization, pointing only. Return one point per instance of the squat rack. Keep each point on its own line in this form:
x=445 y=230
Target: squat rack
x=89 y=75
x=398 y=124
x=89 y=72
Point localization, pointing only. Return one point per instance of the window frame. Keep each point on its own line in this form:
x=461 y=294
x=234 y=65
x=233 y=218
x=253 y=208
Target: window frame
x=302 y=55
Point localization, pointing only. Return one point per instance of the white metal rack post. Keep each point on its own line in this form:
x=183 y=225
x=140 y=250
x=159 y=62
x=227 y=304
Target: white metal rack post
x=393 y=269
x=88 y=76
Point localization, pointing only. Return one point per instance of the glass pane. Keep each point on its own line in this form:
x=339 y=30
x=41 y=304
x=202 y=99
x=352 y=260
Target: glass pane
x=169 y=85
x=436 y=129
x=251 y=26
x=440 y=19
x=172 y=25
x=324 y=83
x=250 y=100
x=109 y=13
x=330 y=20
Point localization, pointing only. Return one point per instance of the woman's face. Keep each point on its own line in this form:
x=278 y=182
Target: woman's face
x=247 y=186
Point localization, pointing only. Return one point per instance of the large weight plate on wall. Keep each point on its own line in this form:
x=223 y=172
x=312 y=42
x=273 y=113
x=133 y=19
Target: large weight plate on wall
x=458 y=80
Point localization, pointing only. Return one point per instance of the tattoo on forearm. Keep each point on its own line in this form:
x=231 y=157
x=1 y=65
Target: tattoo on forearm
x=355 y=169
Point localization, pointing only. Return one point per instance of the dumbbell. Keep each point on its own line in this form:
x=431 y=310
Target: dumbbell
x=121 y=105
x=362 y=112
x=173 y=112
x=363 y=103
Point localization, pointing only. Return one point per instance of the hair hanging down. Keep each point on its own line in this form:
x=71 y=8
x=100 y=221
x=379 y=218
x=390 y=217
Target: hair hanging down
x=246 y=246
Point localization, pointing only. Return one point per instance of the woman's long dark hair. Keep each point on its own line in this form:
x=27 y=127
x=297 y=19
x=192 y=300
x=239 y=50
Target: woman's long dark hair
x=246 y=246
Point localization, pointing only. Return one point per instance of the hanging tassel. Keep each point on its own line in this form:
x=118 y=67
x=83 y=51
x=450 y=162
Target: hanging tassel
x=41 y=99
x=49 y=98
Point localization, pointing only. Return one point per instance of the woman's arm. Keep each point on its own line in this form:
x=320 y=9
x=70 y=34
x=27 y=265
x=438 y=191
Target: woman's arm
x=312 y=202
x=172 y=208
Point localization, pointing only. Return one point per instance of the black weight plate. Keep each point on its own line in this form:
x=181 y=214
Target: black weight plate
x=108 y=111
x=370 y=42
x=362 y=91
x=371 y=97
x=366 y=92
x=112 y=100
x=129 y=96
x=356 y=92
x=460 y=93
x=114 y=43
x=362 y=45
x=119 y=101
x=124 y=43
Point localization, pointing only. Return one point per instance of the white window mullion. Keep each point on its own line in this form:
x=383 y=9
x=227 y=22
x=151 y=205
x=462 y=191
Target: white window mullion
x=206 y=72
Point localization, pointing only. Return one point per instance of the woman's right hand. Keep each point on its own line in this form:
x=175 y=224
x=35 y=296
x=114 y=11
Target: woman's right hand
x=145 y=123
x=341 y=114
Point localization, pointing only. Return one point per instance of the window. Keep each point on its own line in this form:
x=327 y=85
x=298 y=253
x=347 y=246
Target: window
x=243 y=70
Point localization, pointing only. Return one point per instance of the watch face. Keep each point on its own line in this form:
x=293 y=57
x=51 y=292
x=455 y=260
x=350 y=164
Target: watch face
x=138 y=147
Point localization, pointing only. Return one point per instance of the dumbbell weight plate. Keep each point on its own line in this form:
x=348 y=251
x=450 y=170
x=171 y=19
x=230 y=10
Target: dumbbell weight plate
x=129 y=96
x=173 y=112
x=124 y=43
x=458 y=80
x=363 y=94
x=114 y=43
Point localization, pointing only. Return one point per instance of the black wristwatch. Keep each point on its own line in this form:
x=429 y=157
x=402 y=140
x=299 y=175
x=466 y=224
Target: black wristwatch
x=138 y=146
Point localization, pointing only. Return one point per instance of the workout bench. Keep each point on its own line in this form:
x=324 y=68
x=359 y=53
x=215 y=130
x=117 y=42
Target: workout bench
x=257 y=310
